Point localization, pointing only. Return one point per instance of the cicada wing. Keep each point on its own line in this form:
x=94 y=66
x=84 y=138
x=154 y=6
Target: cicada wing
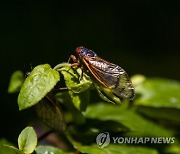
x=50 y=114
x=113 y=76
x=124 y=87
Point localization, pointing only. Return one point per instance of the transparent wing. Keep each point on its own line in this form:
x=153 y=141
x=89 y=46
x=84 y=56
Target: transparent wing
x=50 y=114
x=124 y=87
x=113 y=76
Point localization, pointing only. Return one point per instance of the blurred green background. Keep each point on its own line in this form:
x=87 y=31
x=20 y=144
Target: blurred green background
x=140 y=36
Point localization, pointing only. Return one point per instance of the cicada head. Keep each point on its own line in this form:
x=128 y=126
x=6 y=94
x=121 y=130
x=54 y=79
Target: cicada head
x=85 y=53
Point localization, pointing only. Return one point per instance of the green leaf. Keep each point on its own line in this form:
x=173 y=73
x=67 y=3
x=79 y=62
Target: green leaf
x=134 y=122
x=7 y=149
x=76 y=115
x=78 y=88
x=89 y=149
x=161 y=113
x=16 y=81
x=80 y=100
x=27 y=140
x=49 y=149
x=3 y=141
x=115 y=149
x=138 y=79
x=74 y=79
x=41 y=80
x=157 y=92
x=173 y=148
x=107 y=95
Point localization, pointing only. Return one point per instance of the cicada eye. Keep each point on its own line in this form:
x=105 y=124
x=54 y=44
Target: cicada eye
x=85 y=52
x=91 y=54
x=78 y=50
x=81 y=51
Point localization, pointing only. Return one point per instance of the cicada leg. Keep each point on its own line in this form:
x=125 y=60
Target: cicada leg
x=75 y=60
x=76 y=64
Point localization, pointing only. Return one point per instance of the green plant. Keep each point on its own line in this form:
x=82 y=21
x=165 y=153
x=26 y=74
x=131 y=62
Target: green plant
x=153 y=113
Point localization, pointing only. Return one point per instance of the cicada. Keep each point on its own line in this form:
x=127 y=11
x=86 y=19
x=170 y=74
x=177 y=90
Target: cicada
x=50 y=114
x=109 y=77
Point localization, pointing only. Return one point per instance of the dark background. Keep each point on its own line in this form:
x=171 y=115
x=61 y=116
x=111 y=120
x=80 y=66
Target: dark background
x=142 y=37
